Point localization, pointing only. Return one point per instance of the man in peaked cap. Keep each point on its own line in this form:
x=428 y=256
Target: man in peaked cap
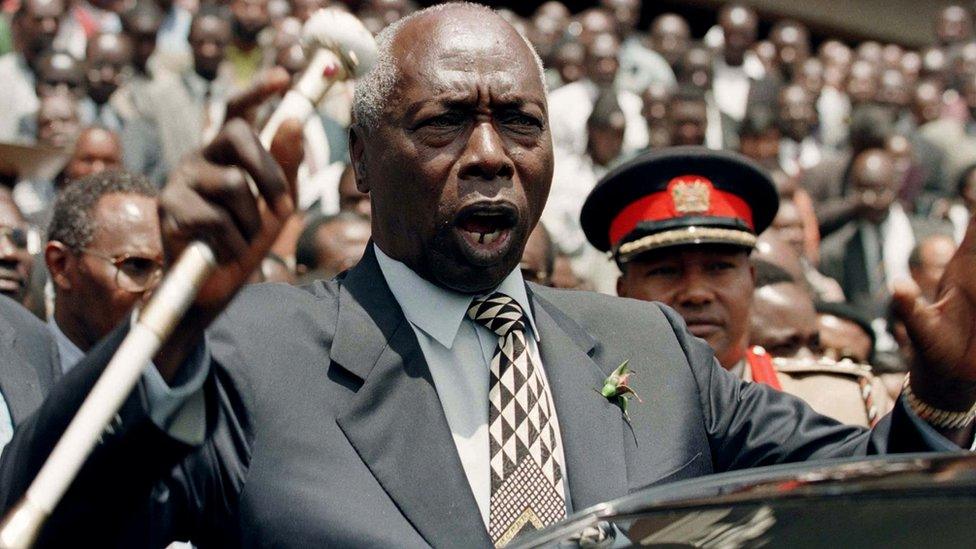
x=681 y=225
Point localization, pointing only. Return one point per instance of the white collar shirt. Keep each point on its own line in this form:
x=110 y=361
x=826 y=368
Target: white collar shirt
x=458 y=353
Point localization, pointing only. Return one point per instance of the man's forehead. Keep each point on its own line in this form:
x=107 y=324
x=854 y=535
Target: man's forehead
x=441 y=50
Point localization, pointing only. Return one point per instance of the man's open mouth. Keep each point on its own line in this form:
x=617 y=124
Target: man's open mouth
x=486 y=226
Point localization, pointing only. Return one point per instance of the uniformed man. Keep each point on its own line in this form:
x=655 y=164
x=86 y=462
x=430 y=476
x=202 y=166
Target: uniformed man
x=681 y=224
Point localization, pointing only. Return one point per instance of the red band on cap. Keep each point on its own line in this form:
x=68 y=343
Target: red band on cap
x=686 y=195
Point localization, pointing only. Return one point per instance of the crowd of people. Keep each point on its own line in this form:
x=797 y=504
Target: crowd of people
x=772 y=194
x=872 y=146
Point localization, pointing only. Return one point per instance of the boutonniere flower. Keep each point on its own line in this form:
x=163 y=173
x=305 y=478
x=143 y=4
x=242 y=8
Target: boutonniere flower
x=616 y=390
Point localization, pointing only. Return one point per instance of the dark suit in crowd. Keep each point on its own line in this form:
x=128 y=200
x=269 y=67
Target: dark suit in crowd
x=324 y=427
x=29 y=362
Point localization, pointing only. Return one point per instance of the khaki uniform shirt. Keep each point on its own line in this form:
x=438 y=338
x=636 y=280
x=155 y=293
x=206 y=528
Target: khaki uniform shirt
x=843 y=390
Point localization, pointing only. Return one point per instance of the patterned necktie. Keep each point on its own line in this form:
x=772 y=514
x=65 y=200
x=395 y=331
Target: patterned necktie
x=526 y=480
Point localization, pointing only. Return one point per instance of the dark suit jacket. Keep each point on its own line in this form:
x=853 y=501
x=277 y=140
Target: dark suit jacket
x=326 y=429
x=842 y=258
x=28 y=360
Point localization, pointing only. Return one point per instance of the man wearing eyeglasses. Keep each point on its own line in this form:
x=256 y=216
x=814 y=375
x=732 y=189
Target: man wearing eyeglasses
x=104 y=253
x=15 y=260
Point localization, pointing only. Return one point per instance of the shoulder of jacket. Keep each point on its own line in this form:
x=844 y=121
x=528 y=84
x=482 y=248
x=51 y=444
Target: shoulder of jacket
x=580 y=304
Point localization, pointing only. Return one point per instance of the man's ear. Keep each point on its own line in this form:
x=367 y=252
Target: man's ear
x=621 y=287
x=357 y=153
x=58 y=259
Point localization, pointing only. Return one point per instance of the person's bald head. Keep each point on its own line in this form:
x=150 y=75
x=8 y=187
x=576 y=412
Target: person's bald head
x=57 y=120
x=402 y=39
x=59 y=72
x=792 y=42
x=935 y=64
x=35 y=24
x=210 y=32
x=870 y=51
x=788 y=226
x=797 y=112
x=548 y=24
x=595 y=21
x=927 y=101
x=891 y=56
x=96 y=150
x=670 y=37
x=893 y=91
x=569 y=59
x=811 y=76
x=739 y=26
x=953 y=25
x=695 y=68
x=451 y=139
x=773 y=248
x=928 y=261
x=873 y=178
x=141 y=24
x=108 y=56
x=862 y=83
x=911 y=66
x=626 y=12
x=784 y=321
x=601 y=58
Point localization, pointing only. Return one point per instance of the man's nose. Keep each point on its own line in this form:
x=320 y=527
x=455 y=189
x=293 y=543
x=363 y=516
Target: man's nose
x=8 y=249
x=485 y=156
x=695 y=291
x=49 y=25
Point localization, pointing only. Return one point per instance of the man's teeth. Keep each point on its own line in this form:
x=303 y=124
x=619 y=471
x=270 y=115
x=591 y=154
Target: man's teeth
x=488 y=238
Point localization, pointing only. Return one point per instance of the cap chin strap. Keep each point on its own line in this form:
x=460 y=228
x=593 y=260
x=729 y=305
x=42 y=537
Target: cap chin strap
x=684 y=235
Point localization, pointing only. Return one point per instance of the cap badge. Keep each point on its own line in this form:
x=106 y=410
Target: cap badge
x=691 y=195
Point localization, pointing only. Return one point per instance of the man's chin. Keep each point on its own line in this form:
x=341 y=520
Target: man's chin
x=474 y=272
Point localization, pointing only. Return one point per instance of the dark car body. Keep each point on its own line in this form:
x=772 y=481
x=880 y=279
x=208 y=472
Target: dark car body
x=918 y=500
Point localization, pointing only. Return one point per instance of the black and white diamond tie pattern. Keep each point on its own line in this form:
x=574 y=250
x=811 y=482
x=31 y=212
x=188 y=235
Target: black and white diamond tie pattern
x=526 y=480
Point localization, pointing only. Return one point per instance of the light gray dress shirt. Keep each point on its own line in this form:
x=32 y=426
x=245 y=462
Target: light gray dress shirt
x=458 y=352
x=177 y=410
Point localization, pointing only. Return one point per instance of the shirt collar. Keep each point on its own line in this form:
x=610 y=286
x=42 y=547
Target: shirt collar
x=437 y=311
x=69 y=352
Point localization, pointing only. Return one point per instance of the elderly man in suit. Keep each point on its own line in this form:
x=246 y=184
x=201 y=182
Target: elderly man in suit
x=428 y=396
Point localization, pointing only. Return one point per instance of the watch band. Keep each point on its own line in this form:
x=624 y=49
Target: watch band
x=934 y=416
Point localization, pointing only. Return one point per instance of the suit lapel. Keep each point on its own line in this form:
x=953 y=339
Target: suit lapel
x=591 y=428
x=395 y=421
x=18 y=379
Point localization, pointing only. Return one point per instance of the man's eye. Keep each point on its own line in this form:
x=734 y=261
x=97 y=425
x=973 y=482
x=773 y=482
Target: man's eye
x=446 y=120
x=719 y=266
x=518 y=118
x=137 y=266
x=661 y=271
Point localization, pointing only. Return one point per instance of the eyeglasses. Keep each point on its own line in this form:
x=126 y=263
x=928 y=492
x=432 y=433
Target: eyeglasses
x=133 y=273
x=17 y=236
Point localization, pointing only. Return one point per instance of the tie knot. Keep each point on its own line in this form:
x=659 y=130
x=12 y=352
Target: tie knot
x=499 y=313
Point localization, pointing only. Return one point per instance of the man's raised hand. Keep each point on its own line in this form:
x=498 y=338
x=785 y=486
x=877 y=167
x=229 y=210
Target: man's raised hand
x=944 y=333
x=208 y=198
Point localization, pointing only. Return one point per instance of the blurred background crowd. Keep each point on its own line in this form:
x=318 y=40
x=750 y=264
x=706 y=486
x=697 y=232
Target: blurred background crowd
x=872 y=145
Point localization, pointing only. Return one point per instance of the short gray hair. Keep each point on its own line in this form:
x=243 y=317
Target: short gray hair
x=71 y=219
x=375 y=87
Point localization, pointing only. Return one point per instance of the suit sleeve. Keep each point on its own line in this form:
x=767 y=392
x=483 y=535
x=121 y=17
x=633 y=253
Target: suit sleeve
x=141 y=486
x=751 y=424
